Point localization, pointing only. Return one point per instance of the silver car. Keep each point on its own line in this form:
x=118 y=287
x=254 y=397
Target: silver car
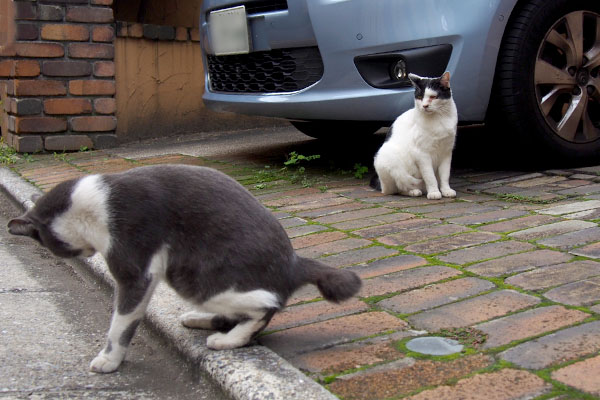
x=529 y=68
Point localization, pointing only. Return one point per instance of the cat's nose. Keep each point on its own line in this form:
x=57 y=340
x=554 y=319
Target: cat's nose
x=425 y=105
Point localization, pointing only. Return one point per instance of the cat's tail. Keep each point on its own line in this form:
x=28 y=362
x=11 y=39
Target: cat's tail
x=375 y=182
x=334 y=284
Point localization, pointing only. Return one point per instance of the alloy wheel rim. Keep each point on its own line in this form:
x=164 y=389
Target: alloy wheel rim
x=567 y=77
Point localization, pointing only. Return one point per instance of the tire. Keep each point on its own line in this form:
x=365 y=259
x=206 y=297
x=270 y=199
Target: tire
x=336 y=130
x=547 y=82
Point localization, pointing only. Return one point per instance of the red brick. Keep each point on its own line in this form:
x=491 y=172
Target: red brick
x=453 y=242
x=101 y=2
x=40 y=124
x=93 y=124
x=65 y=32
x=474 y=310
x=582 y=375
x=135 y=30
x=388 y=266
x=319 y=238
x=435 y=295
x=528 y=323
x=39 y=50
x=331 y=332
x=404 y=376
x=555 y=275
x=181 y=34
x=67 y=143
x=103 y=34
x=91 y=50
x=91 y=87
x=556 y=348
x=25 y=10
x=195 y=34
x=314 y=312
x=500 y=385
x=67 y=106
x=26 y=68
x=404 y=280
x=519 y=223
x=105 y=106
x=349 y=356
x=27 y=31
x=6 y=68
x=66 y=68
x=333 y=247
x=299 y=199
x=39 y=88
x=396 y=227
x=8 y=50
x=351 y=215
x=104 y=69
x=90 y=14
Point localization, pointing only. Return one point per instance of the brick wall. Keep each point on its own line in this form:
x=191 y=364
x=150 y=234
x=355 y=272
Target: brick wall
x=59 y=76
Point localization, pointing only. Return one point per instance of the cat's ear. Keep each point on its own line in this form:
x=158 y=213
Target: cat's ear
x=414 y=79
x=445 y=80
x=21 y=226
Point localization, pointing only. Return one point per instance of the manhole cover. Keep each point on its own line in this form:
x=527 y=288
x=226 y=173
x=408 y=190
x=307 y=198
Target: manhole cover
x=434 y=345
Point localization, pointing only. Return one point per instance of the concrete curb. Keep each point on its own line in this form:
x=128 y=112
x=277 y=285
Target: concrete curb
x=253 y=372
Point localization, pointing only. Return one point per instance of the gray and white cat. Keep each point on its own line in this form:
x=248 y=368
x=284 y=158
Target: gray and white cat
x=195 y=227
x=418 y=152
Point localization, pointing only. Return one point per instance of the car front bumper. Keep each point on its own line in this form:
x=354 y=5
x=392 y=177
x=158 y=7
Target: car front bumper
x=344 y=30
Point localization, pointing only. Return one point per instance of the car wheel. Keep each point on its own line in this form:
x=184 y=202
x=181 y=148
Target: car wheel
x=335 y=130
x=547 y=82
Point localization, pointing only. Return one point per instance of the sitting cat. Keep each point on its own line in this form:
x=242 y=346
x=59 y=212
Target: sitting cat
x=195 y=227
x=418 y=152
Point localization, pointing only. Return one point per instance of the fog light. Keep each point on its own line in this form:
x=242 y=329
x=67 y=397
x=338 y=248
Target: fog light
x=398 y=70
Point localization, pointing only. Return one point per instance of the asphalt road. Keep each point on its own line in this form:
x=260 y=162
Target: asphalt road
x=53 y=321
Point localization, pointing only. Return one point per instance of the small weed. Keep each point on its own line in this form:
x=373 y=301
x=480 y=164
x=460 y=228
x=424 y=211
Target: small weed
x=60 y=156
x=469 y=337
x=84 y=149
x=8 y=155
x=295 y=158
x=260 y=186
x=360 y=170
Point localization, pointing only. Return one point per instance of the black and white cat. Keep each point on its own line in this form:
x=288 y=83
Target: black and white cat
x=418 y=152
x=195 y=227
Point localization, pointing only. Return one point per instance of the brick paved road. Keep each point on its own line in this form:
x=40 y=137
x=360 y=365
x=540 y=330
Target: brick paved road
x=510 y=266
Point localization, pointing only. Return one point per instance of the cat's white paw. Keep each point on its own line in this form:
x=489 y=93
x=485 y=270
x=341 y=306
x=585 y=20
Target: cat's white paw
x=197 y=320
x=434 y=195
x=103 y=364
x=223 y=341
x=448 y=193
x=414 y=193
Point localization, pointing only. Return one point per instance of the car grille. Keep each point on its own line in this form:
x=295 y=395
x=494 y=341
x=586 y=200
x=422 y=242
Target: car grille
x=275 y=71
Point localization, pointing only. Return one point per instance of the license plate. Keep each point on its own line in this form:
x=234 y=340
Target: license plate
x=229 y=31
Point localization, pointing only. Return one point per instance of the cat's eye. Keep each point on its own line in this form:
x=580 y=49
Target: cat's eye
x=433 y=97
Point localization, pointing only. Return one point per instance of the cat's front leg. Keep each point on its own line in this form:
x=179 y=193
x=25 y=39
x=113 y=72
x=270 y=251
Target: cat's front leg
x=131 y=304
x=426 y=167
x=444 y=173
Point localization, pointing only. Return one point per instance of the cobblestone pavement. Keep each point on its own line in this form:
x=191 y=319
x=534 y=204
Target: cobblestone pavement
x=509 y=268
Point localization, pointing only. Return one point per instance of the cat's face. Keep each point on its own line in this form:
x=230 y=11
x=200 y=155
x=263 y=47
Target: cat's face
x=37 y=223
x=432 y=95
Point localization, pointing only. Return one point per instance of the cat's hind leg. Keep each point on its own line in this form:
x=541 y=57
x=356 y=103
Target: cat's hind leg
x=249 y=312
x=388 y=183
x=208 y=321
x=241 y=334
